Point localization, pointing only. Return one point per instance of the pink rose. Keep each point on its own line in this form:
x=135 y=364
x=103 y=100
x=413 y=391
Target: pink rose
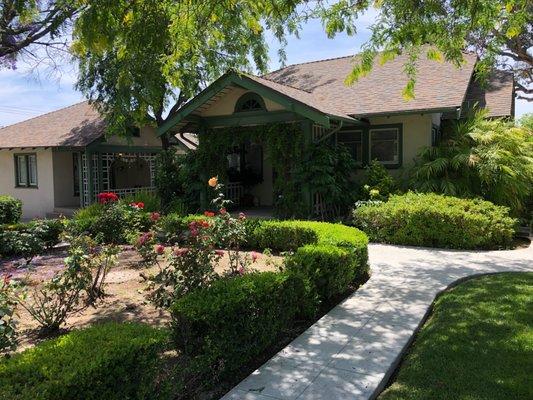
x=223 y=211
x=180 y=252
x=159 y=249
x=242 y=215
x=155 y=216
x=255 y=256
x=219 y=253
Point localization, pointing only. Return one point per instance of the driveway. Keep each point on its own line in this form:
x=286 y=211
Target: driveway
x=351 y=352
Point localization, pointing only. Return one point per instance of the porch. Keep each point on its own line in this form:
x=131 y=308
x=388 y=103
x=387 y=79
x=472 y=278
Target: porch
x=81 y=173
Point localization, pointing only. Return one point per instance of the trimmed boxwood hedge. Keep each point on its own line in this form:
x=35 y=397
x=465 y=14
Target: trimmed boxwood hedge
x=236 y=319
x=227 y=325
x=107 y=361
x=434 y=220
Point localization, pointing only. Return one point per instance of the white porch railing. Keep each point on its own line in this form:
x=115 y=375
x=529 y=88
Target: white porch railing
x=129 y=191
x=234 y=192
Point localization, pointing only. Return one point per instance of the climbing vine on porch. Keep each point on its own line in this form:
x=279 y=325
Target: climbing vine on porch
x=285 y=145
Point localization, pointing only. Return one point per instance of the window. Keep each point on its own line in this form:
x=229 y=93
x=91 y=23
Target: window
x=435 y=135
x=384 y=145
x=250 y=102
x=25 y=170
x=353 y=141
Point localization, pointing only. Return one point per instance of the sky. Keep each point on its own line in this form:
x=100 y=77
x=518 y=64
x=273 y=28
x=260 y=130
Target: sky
x=25 y=94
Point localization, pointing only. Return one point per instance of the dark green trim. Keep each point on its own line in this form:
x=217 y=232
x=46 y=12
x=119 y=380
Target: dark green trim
x=400 y=143
x=27 y=162
x=250 y=118
x=100 y=172
x=409 y=112
x=90 y=188
x=114 y=148
x=246 y=97
x=245 y=82
x=80 y=178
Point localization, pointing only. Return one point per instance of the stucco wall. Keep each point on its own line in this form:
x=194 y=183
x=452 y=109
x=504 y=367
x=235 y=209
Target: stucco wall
x=148 y=137
x=225 y=105
x=37 y=202
x=64 y=180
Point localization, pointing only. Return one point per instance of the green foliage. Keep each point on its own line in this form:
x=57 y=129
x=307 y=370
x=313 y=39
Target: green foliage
x=168 y=177
x=8 y=325
x=114 y=222
x=171 y=228
x=289 y=235
x=484 y=326
x=327 y=170
x=488 y=158
x=151 y=201
x=137 y=60
x=108 y=361
x=228 y=324
x=329 y=268
x=434 y=220
x=10 y=210
x=498 y=30
x=283 y=235
x=377 y=183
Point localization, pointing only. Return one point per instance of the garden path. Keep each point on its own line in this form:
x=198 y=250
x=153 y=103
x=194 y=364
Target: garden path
x=352 y=351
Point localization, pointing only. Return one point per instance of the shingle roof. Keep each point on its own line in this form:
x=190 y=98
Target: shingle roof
x=438 y=85
x=73 y=126
x=315 y=101
x=496 y=95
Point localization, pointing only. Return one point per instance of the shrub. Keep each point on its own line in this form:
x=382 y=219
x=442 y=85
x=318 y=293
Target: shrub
x=151 y=201
x=108 y=361
x=236 y=319
x=377 y=183
x=10 y=210
x=171 y=227
x=8 y=304
x=437 y=221
x=47 y=230
x=330 y=269
x=30 y=238
x=283 y=235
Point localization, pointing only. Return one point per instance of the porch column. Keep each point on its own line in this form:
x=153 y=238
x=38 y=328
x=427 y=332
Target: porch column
x=307 y=128
x=100 y=172
x=80 y=179
x=90 y=188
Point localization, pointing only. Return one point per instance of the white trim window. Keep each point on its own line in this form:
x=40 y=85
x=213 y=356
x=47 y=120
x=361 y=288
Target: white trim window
x=384 y=145
x=26 y=170
x=353 y=141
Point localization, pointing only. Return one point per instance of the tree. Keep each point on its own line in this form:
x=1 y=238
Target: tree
x=140 y=61
x=27 y=24
x=499 y=31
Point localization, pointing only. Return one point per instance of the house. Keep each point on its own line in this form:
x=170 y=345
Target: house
x=59 y=161
x=370 y=117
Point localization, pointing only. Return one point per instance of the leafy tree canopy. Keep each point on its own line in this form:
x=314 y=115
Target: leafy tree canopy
x=140 y=59
x=499 y=31
x=27 y=24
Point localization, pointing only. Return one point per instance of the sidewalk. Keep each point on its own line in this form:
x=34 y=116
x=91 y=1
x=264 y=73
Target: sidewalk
x=351 y=352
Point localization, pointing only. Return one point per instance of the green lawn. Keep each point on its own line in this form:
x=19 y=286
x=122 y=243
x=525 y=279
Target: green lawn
x=478 y=344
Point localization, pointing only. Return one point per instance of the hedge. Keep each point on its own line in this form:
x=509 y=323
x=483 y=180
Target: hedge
x=329 y=269
x=230 y=323
x=434 y=220
x=108 y=361
x=289 y=235
x=10 y=210
x=236 y=319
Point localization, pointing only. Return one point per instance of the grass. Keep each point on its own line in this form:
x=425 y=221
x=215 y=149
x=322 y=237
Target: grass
x=478 y=344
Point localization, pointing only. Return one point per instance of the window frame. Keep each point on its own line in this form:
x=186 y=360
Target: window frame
x=247 y=97
x=28 y=184
x=382 y=127
x=361 y=163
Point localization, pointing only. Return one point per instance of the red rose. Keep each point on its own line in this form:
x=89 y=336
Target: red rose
x=209 y=214
x=155 y=216
x=223 y=211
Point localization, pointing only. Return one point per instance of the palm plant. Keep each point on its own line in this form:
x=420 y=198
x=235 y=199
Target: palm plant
x=489 y=158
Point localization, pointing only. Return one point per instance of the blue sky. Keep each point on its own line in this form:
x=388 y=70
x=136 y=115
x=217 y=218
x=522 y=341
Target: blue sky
x=25 y=94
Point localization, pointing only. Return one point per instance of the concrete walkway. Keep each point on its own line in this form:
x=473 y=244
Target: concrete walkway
x=351 y=352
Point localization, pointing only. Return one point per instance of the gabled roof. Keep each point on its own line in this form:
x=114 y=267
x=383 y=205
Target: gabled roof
x=73 y=126
x=294 y=99
x=439 y=86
